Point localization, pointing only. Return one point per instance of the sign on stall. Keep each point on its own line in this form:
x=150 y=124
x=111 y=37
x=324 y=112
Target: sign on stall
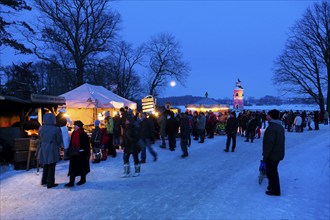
x=148 y=104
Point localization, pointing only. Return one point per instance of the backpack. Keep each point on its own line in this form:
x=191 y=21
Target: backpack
x=97 y=138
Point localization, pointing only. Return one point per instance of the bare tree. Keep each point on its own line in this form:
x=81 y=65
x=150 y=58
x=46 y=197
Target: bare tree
x=124 y=80
x=304 y=65
x=165 y=62
x=21 y=76
x=74 y=32
x=9 y=25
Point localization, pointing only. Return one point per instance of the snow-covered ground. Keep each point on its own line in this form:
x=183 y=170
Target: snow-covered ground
x=209 y=184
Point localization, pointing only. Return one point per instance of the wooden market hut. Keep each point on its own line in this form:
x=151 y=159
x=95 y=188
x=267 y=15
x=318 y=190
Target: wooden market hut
x=16 y=125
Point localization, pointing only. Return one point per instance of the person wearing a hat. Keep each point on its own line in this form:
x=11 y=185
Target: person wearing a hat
x=273 y=149
x=79 y=164
x=231 y=131
x=96 y=142
x=48 y=152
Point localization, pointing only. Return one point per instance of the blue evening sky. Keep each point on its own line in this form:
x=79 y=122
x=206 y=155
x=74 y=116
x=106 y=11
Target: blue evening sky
x=221 y=40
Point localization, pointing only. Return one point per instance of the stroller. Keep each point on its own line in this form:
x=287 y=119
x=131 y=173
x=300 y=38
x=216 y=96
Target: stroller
x=262 y=171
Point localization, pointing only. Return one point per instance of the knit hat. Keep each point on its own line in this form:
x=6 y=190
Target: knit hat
x=107 y=114
x=274 y=114
x=96 y=122
x=78 y=123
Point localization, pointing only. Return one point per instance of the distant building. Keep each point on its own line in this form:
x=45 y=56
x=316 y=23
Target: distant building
x=238 y=96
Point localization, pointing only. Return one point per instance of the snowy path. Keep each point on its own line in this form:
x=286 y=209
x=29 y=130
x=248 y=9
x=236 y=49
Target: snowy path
x=209 y=184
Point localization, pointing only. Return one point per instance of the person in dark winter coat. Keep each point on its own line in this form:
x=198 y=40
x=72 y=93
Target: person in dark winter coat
x=184 y=134
x=273 y=150
x=172 y=126
x=116 y=130
x=96 y=142
x=48 y=152
x=201 y=122
x=162 y=127
x=251 y=128
x=147 y=130
x=130 y=143
x=79 y=165
x=231 y=131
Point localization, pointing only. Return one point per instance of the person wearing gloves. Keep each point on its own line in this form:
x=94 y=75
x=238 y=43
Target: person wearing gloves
x=79 y=164
x=48 y=152
x=273 y=149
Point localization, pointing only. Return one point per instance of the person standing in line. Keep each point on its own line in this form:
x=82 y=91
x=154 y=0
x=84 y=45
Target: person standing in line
x=172 y=126
x=184 y=134
x=191 y=123
x=212 y=121
x=201 y=122
x=48 y=152
x=130 y=143
x=251 y=128
x=96 y=142
x=61 y=121
x=326 y=117
x=116 y=130
x=231 y=131
x=108 y=121
x=316 y=120
x=273 y=150
x=79 y=164
x=147 y=130
x=162 y=127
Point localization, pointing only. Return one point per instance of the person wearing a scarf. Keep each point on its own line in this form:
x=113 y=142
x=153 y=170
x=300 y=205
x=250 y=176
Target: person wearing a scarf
x=79 y=165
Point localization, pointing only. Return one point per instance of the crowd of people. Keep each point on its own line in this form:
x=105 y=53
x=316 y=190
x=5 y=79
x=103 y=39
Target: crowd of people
x=135 y=134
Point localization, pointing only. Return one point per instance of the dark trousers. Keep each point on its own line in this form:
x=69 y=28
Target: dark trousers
x=211 y=131
x=184 y=146
x=250 y=135
x=201 y=134
x=172 y=140
x=273 y=178
x=135 y=157
x=231 y=136
x=111 y=147
x=146 y=143
x=48 y=174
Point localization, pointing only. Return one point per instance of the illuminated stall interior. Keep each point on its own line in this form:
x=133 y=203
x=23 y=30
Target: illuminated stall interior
x=206 y=105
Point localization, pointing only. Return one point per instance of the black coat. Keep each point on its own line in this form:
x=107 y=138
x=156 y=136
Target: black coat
x=131 y=138
x=231 y=125
x=273 y=144
x=172 y=126
x=79 y=165
x=147 y=128
x=184 y=128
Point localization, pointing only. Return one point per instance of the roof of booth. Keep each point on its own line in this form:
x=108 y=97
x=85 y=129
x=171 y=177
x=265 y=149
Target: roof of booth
x=93 y=96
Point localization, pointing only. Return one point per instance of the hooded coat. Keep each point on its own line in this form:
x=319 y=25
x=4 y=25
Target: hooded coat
x=50 y=139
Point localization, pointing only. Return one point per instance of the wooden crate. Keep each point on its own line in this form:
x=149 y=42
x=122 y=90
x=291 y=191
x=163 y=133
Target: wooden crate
x=22 y=165
x=21 y=144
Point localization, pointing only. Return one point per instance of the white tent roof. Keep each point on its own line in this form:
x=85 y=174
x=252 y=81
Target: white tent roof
x=91 y=96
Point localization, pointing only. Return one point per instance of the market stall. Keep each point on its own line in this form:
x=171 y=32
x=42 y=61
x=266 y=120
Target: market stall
x=207 y=104
x=88 y=102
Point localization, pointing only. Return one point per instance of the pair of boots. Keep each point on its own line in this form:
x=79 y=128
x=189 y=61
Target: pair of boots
x=72 y=180
x=127 y=170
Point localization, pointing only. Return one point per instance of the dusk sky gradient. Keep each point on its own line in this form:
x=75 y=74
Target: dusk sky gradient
x=221 y=40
